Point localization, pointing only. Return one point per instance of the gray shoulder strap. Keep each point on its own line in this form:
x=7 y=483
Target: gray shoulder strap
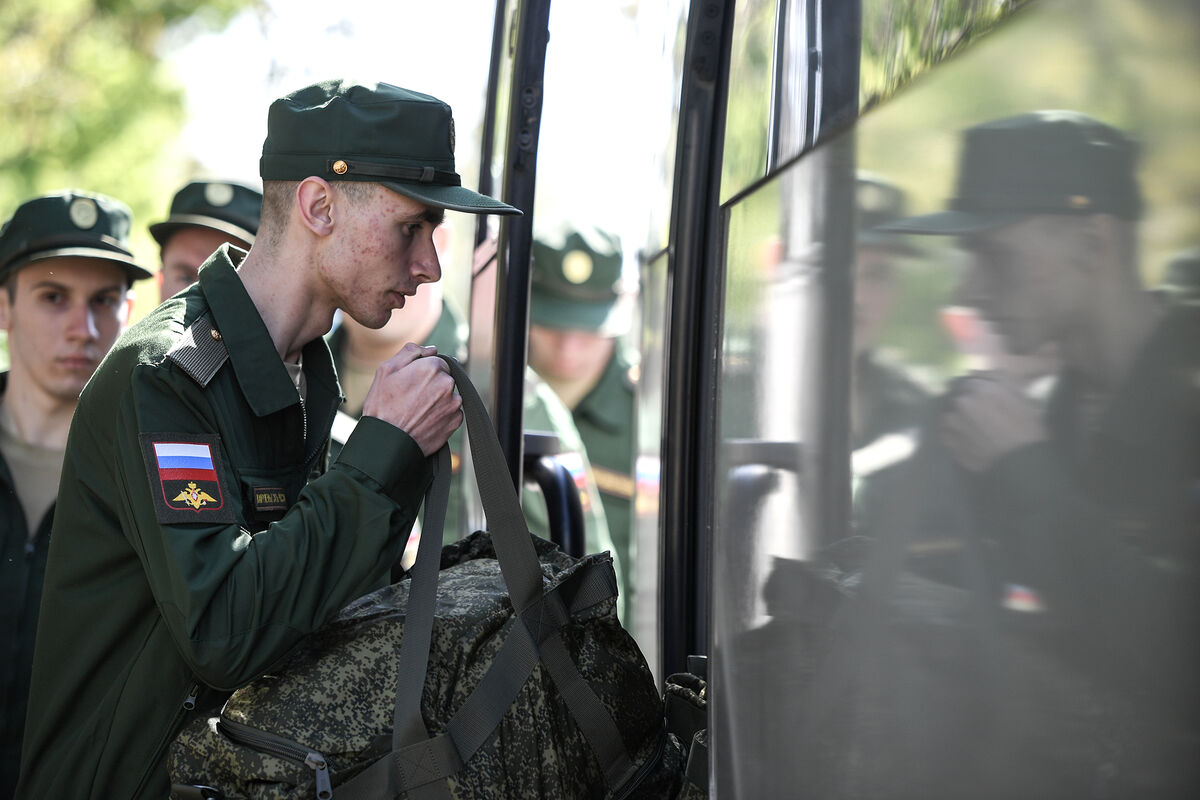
x=200 y=351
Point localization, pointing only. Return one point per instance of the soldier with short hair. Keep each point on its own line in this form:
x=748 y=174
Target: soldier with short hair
x=204 y=215
x=65 y=274
x=201 y=533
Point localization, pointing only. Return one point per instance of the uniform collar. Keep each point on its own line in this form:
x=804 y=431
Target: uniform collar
x=259 y=369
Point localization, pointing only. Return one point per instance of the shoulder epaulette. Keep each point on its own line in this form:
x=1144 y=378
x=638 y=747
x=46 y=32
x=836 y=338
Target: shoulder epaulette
x=200 y=351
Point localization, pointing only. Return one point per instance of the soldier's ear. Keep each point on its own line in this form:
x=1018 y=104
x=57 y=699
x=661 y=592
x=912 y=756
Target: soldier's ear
x=314 y=205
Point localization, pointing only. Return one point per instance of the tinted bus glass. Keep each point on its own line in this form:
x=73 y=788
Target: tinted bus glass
x=1012 y=611
x=750 y=83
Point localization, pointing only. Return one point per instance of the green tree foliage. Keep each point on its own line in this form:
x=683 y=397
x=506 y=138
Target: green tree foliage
x=87 y=101
x=902 y=39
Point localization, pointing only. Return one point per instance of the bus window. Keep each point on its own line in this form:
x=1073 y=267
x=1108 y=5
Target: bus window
x=1008 y=606
x=750 y=84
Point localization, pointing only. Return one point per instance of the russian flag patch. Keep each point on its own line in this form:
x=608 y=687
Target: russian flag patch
x=185 y=477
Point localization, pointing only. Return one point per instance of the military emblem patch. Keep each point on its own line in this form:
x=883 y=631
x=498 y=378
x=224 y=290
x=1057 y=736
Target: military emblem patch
x=185 y=472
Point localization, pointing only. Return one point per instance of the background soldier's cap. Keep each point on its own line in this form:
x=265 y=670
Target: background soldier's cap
x=576 y=282
x=380 y=133
x=878 y=202
x=231 y=208
x=69 y=224
x=1043 y=162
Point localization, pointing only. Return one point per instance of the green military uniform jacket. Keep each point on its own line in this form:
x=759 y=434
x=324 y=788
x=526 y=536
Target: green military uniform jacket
x=21 y=568
x=545 y=411
x=154 y=591
x=605 y=421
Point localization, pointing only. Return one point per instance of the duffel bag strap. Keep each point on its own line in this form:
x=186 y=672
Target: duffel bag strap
x=418 y=764
x=505 y=521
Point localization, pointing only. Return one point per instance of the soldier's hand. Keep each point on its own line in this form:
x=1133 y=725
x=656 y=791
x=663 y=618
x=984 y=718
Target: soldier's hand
x=989 y=417
x=415 y=392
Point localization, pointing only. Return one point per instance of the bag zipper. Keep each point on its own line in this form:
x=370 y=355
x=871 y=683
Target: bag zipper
x=283 y=748
x=630 y=785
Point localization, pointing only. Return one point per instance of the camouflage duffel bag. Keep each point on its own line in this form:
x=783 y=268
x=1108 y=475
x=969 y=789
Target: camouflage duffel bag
x=500 y=670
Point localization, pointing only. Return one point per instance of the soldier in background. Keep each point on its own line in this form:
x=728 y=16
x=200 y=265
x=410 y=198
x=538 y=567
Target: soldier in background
x=578 y=314
x=887 y=404
x=65 y=269
x=204 y=215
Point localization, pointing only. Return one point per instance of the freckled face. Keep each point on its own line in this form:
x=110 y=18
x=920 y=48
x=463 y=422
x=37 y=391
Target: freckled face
x=382 y=250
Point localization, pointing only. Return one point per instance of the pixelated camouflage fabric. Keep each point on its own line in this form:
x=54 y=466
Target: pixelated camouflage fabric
x=336 y=694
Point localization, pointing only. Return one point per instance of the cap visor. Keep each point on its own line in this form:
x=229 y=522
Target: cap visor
x=132 y=270
x=606 y=319
x=949 y=223
x=161 y=231
x=455 y=198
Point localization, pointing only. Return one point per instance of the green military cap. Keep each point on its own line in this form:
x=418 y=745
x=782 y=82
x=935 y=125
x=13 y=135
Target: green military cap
x=1042 y=162
x=230 y=208
x=1182 y=278
x=576 y=282
x=380 y=133
x=72 y=224
x=877 y=203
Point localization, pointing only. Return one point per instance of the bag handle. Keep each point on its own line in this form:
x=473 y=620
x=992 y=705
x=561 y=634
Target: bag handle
x=418 y=764
x=514 y=550
x=505 y=520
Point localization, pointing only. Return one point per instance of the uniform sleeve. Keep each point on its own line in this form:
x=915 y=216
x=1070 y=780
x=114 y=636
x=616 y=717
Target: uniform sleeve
x=236 y=603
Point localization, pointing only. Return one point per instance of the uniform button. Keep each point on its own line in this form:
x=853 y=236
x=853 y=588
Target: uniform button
x=216 y=334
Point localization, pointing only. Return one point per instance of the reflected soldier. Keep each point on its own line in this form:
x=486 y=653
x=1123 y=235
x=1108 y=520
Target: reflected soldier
x=578 y=312
x=204 y=215
x=65 y=273
x=1092 y=498
x=887 y=404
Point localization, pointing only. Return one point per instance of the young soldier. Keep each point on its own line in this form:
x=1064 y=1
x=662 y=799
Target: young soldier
x=200 y=535
x=204 y=215
x=577 y=314
x=65 y=270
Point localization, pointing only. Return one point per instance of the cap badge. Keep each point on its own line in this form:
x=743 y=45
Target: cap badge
x=218 y=194
x=340 y=167
x=1079 y=201
x=84 y=213
x=577 y=266
x=452 y=136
